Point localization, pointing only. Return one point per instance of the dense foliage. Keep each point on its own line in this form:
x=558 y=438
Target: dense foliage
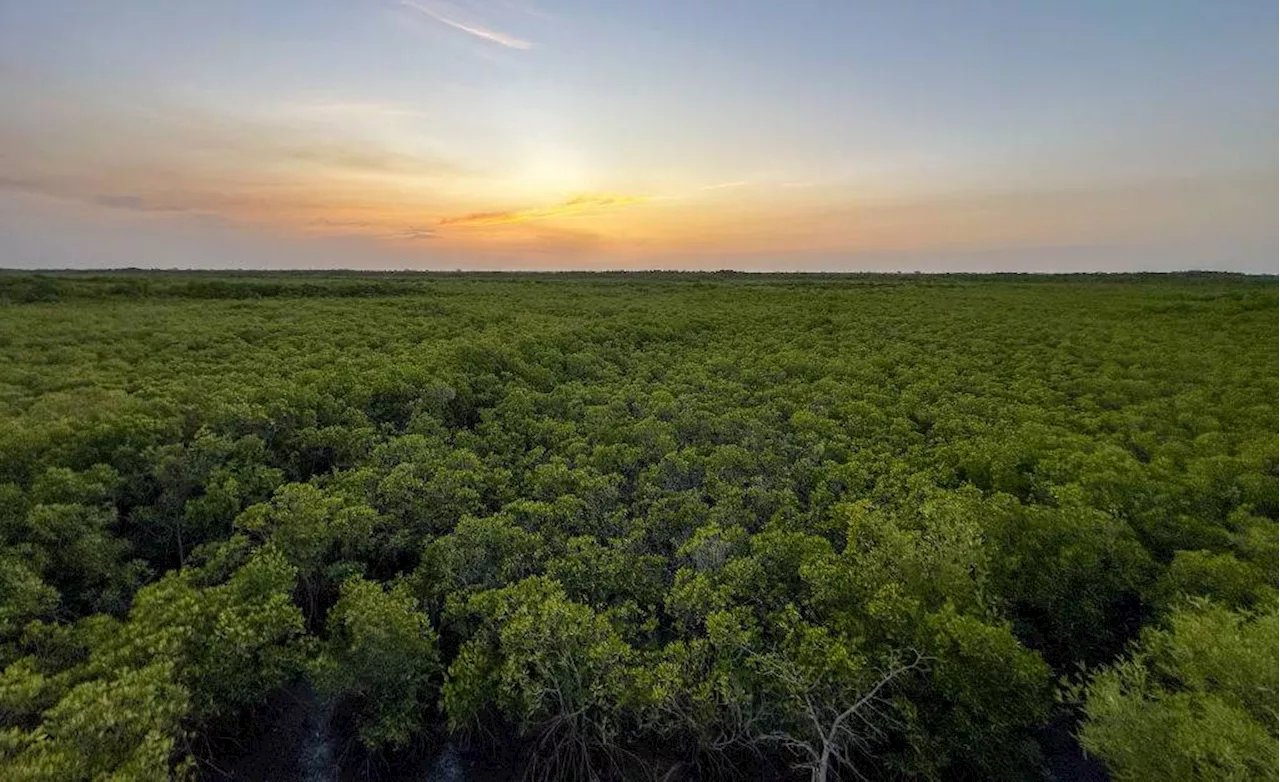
x=634 y=525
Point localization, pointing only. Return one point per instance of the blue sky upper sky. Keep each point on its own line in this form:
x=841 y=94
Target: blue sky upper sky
x=978 y=134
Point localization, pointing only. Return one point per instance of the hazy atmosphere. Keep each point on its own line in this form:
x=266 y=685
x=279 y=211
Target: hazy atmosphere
x=420 y=134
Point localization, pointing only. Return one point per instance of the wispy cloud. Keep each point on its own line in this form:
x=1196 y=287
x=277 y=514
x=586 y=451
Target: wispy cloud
x=137 y=203
x=484 y=33
x=412 y=235
x=337 y=108
x=55 y=187
x=260 y=167
x=696 y=192
x=353 y=157
x=328 y=222
x=24 y=185
x=87 y=191
x=592 y=202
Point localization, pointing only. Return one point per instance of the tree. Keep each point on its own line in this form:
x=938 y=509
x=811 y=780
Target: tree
x=380 y=659
x=124 y=726
x=1193 y=700
x=829 y=731
x=230 y=644
x=311 y=528
x=552 y=668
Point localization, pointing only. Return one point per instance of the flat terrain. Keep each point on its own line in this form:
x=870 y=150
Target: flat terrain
x=626 y=525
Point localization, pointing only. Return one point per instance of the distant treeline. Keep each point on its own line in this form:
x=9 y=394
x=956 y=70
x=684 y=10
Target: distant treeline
x=21 y=287
x=29 y=288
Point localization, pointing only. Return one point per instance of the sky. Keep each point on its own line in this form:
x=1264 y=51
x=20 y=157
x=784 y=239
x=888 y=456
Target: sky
x=895 y=135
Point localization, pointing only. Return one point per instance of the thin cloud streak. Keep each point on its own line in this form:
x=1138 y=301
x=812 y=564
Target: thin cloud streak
x=412 y=235
x=698 y=191
x=344 y=109
x=582 y=204
x=84 y=192
x=493 y=36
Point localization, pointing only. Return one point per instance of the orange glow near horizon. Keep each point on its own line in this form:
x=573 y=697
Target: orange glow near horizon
x=369 y=198
x=578 y=205
x=423 y=133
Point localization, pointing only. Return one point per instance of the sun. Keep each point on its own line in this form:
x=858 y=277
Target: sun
x=552 y=171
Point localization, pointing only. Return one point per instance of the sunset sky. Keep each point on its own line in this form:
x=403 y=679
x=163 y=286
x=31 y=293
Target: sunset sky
x=575 y=134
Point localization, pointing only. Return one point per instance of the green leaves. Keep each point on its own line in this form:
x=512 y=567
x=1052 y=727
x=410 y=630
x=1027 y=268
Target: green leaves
x=551 y=667
x=655 y=520
x=308 y=526
x=230 y=644
x=122 y=726
x=381 y=659
x=1195 y=700
x=479 y=554
x=1074 y=575
x=23 y=595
